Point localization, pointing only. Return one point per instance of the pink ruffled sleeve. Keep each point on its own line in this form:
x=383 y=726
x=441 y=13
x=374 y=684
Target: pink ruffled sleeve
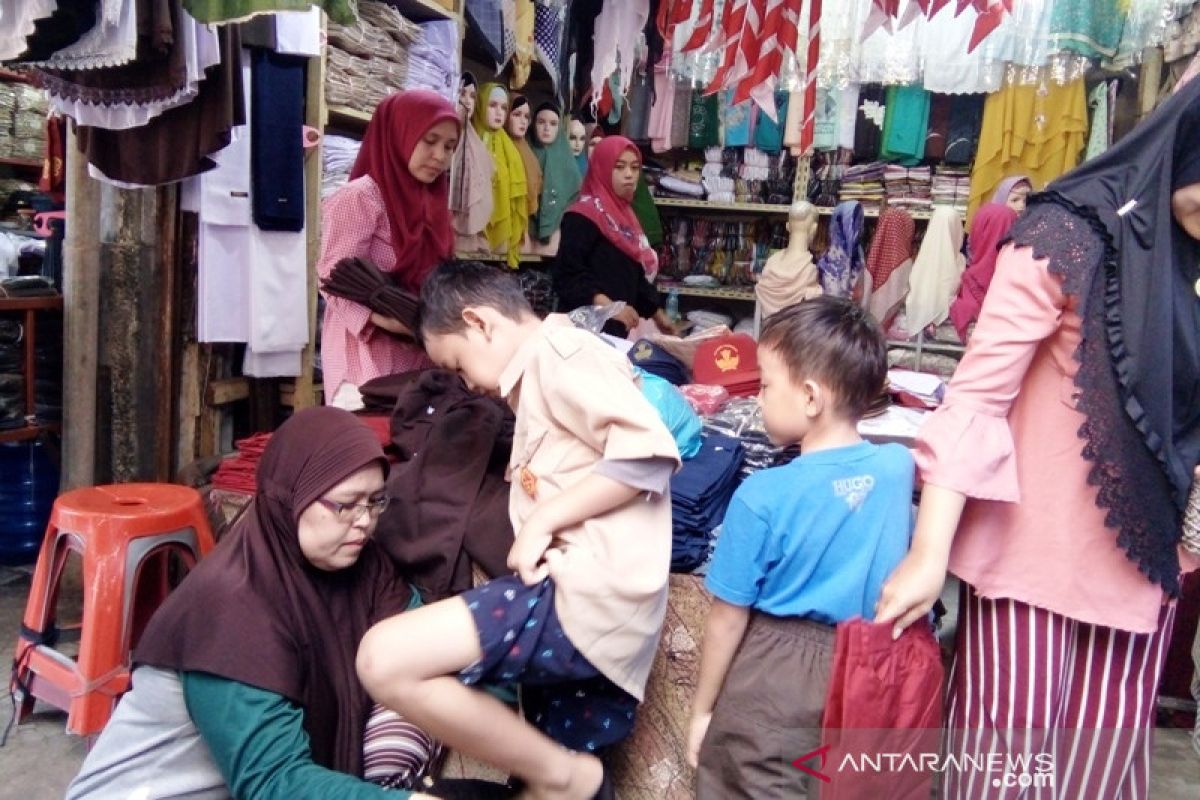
x=967 y=445
x=349 y=218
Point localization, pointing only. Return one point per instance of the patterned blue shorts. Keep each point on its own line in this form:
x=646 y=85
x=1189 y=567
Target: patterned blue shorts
x=523 y=642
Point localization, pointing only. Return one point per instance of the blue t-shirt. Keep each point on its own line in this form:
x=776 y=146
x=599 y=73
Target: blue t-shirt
x=817 y=538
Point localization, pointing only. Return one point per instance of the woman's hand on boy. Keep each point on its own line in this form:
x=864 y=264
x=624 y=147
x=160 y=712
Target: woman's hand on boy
x=910 y=592
x=527 y=555
x=697 y=728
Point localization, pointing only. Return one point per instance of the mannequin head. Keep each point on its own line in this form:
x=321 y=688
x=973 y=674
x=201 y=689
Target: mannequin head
x=594 y=139
x=467 y=91
x=518 y=118
x=576 y=136
x=546 y=124
x=802 y=222
x=497 y=108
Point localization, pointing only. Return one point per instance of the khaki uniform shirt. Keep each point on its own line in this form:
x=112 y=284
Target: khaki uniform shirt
x=577 y=403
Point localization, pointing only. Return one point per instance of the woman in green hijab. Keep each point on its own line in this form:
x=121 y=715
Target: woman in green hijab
x=560 y=177
x=506 y=228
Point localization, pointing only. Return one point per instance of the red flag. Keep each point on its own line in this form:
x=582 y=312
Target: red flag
x=768 y=54
x=810 y=87
x=988 y=20
x=704 y=26
x=732 y=23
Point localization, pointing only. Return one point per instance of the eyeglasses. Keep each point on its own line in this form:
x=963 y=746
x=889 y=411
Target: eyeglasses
x=352 y=512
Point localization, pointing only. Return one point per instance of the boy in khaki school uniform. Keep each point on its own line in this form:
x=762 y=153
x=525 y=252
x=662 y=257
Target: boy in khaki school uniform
x=578 y=625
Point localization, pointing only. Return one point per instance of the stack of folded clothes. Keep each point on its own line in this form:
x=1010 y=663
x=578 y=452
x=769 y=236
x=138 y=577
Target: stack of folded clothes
x=239 y=473
x=952 y=187
x=700 y=493
x=864 y=183
x=907 y=188
x=742 y=419
x=12 y=382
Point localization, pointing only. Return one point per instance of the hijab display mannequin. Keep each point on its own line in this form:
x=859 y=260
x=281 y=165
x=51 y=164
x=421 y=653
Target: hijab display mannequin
x=520 y=116
x=509 y=223
x=577 y=138
x=560 y=178
x=471 y=184
x=790 y=275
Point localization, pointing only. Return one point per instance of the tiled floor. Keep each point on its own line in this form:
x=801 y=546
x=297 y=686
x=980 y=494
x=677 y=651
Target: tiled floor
x=40 y=759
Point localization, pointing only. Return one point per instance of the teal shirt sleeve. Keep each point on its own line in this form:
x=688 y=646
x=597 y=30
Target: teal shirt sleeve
x=259 y=743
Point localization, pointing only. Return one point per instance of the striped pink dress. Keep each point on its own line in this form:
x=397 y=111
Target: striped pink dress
x=1061 y=639
x=354 y=223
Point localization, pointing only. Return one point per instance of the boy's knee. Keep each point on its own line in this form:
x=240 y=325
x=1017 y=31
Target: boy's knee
x=375 y=669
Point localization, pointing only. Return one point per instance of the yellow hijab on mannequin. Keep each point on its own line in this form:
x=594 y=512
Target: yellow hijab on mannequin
x=509 y=189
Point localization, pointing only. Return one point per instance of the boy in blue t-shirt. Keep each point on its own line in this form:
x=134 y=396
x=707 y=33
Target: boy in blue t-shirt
x=804 y=547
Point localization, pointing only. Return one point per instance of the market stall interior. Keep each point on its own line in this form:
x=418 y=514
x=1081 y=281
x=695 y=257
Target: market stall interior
x=205 y=223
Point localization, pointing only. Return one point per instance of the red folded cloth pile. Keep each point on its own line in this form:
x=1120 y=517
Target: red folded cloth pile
x=239 y=473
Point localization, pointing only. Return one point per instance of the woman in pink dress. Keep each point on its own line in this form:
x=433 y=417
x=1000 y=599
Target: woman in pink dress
x=394 y=212
x=1057 y=471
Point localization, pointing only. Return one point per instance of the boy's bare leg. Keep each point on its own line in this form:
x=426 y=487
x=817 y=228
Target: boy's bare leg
x=408 y=663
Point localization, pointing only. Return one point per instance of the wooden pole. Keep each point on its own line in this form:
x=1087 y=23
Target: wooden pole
x=81 y=320
x=315 y=115
x=1149 y=80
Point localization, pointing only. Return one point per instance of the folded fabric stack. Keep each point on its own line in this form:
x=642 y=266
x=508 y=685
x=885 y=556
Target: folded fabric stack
x=433 y=59
x=864 y=183
x=907 y=188
x=12 y=382
x=239 y=473
x=370 y=59
x=670 y=185
x=717 y=177
x=952 y=187
x=338 y=154
x=742 y=419
x=700 y=493
x=22 y=121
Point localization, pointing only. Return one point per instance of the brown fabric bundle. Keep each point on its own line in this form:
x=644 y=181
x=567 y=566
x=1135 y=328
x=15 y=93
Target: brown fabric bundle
x=359 y=280
x=256 y=611
x=453 y=448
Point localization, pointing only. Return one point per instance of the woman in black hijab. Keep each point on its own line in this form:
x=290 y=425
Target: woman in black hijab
x=1059 y=466
x=244 y=682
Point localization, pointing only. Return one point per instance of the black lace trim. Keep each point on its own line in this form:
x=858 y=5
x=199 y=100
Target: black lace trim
x=1127 y=462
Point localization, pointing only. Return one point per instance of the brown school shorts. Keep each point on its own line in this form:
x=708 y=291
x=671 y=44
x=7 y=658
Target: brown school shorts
x=768 y=713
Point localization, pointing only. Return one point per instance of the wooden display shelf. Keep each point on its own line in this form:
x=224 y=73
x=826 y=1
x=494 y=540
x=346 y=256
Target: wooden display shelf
x=924 y=213
x=739 y=293
x=704 y=205
x=346 y=117
x=54 y=303
x=526 y=258
x=423 y=10
x=30 y=431
x=22 y=163
x=11 y=76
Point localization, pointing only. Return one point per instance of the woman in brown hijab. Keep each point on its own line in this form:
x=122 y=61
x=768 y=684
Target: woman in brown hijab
x=244 y=682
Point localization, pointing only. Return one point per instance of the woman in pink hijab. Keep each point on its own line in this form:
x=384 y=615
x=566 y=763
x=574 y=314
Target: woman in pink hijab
x=990 y=227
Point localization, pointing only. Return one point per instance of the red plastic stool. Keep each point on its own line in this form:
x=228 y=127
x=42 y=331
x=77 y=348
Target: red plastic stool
x=118 y=530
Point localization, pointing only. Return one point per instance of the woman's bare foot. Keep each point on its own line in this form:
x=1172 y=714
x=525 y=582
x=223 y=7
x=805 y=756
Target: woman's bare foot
x=583 y=780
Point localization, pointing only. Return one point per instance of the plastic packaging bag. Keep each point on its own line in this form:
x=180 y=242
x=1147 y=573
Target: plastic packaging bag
x=676 y=412
x=593 y=318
